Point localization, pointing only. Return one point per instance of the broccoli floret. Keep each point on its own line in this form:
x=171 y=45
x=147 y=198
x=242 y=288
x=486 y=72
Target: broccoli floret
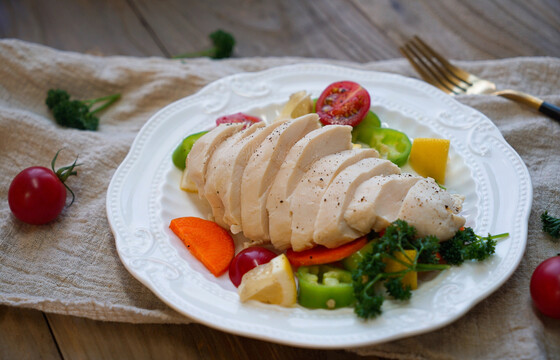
x=222 y=47
x=398 y=237
x=466 y=245
x=76 y=113
x=550 y=225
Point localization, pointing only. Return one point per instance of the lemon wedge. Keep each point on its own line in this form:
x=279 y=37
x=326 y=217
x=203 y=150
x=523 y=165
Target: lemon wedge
x=271 y=283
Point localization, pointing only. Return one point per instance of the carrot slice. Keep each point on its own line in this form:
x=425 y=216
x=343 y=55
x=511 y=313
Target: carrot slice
x=207 y=241
x=322 y=255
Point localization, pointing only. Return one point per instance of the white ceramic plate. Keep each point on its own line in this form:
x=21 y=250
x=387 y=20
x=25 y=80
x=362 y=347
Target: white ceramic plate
x=144 y=196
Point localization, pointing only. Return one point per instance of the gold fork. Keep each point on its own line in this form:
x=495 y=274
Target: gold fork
x=436 y=70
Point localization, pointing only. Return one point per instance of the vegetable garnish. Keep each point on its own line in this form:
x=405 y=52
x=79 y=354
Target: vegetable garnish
x=393 y=245
x=182 y=150
x=246 y=260
x=77 y=114
x=37 y=195
x=271 y=283
x=550 y=225
x=223 y=43
x=343 y=103
x=207 y=241
x=466 y=245
x=398 y=237
x=428 y=157
x=248 y=120
x=322 y=255
x=392 y=145
x=324 y=287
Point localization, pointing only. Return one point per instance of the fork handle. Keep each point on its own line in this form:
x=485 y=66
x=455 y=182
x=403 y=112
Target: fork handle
x=544 y=107
x=550 y=110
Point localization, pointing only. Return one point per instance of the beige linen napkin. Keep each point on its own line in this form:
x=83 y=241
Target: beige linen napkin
x=71 y=266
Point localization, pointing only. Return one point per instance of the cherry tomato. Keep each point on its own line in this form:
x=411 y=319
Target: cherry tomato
x=246 y=260
x=343 y=103
x=545 y=287
x=37 y=195
x=238 y=118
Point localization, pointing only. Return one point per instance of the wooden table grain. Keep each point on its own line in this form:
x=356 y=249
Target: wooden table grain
x=355 y=30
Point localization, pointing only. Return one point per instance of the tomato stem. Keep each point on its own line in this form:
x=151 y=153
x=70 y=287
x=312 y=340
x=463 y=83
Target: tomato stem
x=64 y=172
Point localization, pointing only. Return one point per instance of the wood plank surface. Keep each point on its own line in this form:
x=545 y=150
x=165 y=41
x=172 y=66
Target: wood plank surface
x=356 y=30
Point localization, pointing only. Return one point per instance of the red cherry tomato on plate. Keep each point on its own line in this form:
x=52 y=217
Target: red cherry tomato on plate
x=343 y=103
x=238 y=118
x=37 y=195
x=545 y=287
x=246 y=260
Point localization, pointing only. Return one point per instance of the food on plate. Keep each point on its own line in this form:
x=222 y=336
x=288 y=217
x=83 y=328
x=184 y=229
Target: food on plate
x=271 y=283
x=248 y=259
x=545 y=287
x=322 y=255
x=287 y=163
x=363 y=132
x=206 y=241
x=428 y=157
x=77 y=114
x=373 y=270
x=466 y=245
x=324 y=287
x=179 y=156
x=37 y=194
x=392 y=144
x=299 y=104
x=298 y=160
x=261 y=171
x=334 y=198
x=343 y=103
x=238 y=118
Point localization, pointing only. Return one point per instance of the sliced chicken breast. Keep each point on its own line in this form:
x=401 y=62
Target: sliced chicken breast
x=304 y=204
x=313 y=146
x=377 y=201
x=202 y=150
x=331 y=230
x=236 y=160
x=431 y=210
x=218 y=172
x=261 y=171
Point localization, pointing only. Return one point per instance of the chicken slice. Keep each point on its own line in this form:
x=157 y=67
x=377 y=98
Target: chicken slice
x=313 y=146
x=261 y=171
x=331 y=230
x=431 y=210
x=218 y=172
x=236 y=160
x=304 y=204
x=202 y=150
x=377 y=201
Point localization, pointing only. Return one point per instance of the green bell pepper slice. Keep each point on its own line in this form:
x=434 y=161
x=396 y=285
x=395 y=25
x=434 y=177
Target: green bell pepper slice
x=180 y=153
x=391 y=144
x=324 y=287
x=363 y=132
x=351 y=262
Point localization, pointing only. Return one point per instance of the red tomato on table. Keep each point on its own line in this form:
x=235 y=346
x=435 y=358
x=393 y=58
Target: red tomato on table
x=545 y=287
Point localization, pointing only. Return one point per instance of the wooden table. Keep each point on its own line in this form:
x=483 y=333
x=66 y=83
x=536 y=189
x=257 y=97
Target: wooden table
x=355 y=30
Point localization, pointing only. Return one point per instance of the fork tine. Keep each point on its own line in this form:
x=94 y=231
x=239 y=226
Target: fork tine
x=458 y=73
x=434 y=69
x=441 y=72
x=421 y=68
